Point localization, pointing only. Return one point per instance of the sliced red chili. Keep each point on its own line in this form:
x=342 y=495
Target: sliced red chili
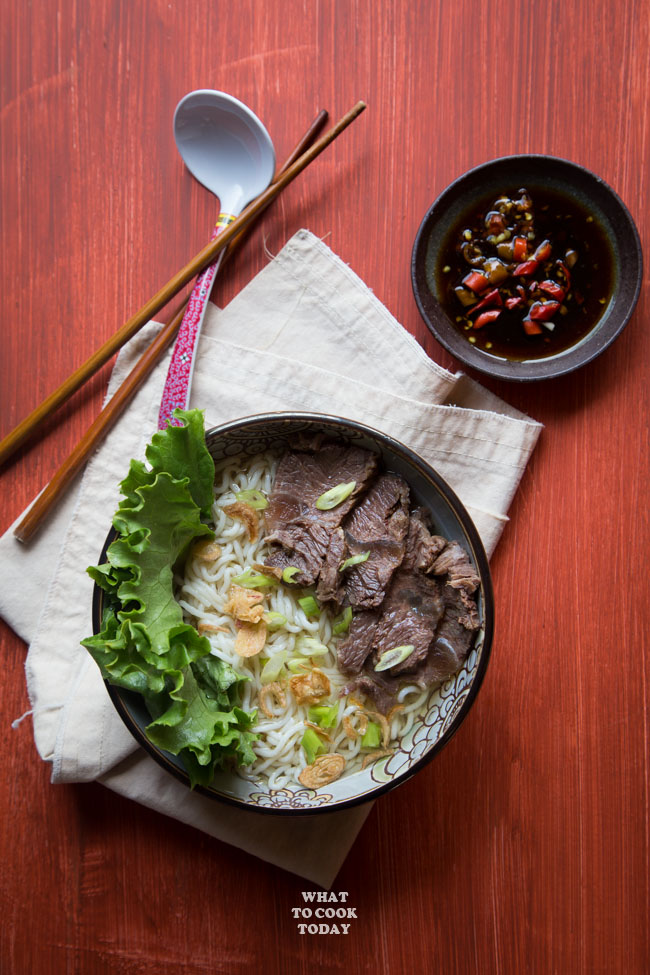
x=526 y=269
x=519 y=248
x=514 y=303
x=531 y=328
x=492 y=298
x=495 y=222
x=486 y=318
x=543 y=252
x=552 y=289
x=565 y=271
x=543 y=312
x=476 y=281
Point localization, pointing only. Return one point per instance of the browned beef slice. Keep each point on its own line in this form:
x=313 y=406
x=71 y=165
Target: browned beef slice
x=381 y=692
x=330 y=581
x=358 y=644
x=300 y=548
x=377 y=525
x=446 y=644
x=455 y=563
x=440 y=663
x=410 y=615
x=422 y=548
x=453 y=639
x=457 y=625
x=298 y=531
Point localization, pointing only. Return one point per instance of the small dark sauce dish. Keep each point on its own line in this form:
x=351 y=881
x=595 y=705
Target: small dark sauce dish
x=613 y=238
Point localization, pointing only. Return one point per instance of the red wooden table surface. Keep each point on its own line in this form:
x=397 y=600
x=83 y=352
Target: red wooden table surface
x=524 y=846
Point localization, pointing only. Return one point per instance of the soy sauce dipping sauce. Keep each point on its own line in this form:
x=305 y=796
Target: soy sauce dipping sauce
x=526 y=275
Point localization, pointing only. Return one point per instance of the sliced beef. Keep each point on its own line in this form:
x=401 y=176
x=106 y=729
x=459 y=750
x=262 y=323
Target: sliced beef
x=300 y=547
x=453 y=639
x=357 y=646
x=440 y=621
x=454 y=562
x=381 y=692
x=298 y=532
x=422 y=548
x=457 y=626
x=330 y=581
x=409 y=615
x=378 y=525
x=440 y=663
x=443 y=656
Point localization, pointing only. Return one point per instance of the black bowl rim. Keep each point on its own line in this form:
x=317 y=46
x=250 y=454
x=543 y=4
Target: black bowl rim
x=478 y=551
x=531 y=371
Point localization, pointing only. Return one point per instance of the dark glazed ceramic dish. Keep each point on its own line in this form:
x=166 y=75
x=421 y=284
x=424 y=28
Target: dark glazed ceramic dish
x=448 y=704
x=490 y=180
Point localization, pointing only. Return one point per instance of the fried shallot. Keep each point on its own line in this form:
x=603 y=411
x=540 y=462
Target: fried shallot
x=250 y=638
x=324 y=769
x=211 y=628
x=244 y=604
x=206 y=551
x=350 y=730
x=310 y=688
x=243 y=512
x=319 y=731
x=276 y=692
x=372 y=756
x=381 y=720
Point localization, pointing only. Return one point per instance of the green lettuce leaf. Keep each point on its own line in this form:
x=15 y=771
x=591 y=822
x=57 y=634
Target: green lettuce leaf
x=197 y=723
x=144 y=645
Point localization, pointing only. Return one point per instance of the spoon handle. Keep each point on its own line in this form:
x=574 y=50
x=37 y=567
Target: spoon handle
x=176 y=394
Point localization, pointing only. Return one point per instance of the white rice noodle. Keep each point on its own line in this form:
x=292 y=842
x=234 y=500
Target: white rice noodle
x=202 y=593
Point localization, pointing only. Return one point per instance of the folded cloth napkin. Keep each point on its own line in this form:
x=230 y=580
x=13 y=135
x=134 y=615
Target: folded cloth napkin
x=306 y=334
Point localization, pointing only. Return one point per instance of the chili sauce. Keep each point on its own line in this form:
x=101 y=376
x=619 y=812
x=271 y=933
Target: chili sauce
x=525 y=275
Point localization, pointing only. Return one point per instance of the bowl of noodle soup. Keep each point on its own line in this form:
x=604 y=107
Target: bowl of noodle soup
x=246 y=453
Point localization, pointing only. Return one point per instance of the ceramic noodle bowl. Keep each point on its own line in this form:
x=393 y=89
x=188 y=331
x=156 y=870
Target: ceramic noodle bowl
x=448 y=704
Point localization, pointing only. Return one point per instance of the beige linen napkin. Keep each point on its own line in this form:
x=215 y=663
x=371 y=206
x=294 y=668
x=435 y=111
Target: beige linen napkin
x=306 y=334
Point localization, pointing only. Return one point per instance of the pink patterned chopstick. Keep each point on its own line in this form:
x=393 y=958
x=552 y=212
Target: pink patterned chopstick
x=176 y=394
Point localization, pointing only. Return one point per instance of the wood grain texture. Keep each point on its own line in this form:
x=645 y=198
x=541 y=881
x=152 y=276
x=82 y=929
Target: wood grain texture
x=524 y=846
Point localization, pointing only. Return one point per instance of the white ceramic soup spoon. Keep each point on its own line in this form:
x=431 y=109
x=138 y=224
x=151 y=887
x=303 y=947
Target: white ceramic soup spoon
x=227 y=149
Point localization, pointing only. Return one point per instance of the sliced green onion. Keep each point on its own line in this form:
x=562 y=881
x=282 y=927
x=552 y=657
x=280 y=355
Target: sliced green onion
x=342 y=623
x=335 y=496
x=311 y=647
x=396 y=655
x=324 y=716
x=253 y=580
x=309 y=606
x=254 y=499
x=312 y=744
x=372 y=736
x=273 y=666
x=274 y=620
x=298 y=665
x=354 y=560
x=289 y=573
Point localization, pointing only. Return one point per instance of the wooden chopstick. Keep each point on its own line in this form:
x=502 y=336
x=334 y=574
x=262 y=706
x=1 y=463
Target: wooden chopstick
x=205 y=256
x=49 y=497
